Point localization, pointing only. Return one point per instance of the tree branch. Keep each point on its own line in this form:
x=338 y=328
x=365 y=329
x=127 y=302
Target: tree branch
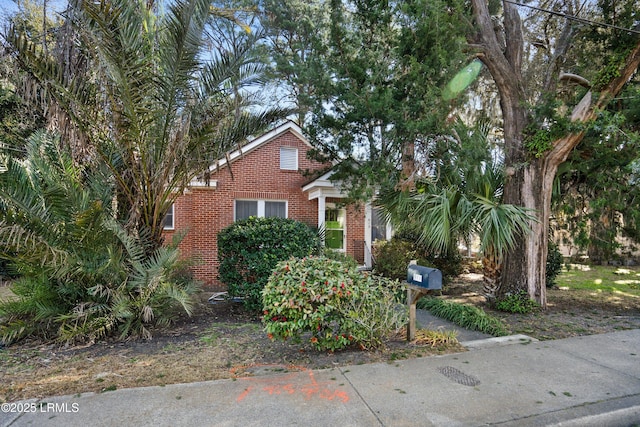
x=513 y=37
x=505 y=69
x=559 y=52
x=586 y=110
x=615 y=86
x=575 y=79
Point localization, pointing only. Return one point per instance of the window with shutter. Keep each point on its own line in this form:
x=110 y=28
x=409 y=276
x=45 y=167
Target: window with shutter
x=289 y=158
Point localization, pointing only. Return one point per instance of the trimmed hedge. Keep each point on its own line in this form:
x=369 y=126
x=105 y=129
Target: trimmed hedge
x=249 y=249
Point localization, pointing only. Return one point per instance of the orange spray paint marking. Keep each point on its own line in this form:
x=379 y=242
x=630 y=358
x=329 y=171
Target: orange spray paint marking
x=276 y=386
x=244 y=394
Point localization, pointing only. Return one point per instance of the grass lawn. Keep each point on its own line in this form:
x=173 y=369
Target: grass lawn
x=585 y=300
x=601 y=279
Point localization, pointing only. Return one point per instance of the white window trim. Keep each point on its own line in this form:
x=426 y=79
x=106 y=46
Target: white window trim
x=173 y=219
x=295 y=158
x=261 y=206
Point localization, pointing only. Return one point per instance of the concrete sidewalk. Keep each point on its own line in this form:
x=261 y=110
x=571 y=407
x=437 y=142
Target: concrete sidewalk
x=583 y=381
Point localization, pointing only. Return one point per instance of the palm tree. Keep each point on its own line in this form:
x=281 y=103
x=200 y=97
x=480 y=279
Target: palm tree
x=150 y=103
x=143 y=108
x=463 y=199
x=81 y=276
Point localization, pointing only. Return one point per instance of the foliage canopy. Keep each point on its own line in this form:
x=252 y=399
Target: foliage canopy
x=141 y=95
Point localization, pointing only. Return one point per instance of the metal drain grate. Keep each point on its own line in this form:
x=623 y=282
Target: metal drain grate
x=458 y=376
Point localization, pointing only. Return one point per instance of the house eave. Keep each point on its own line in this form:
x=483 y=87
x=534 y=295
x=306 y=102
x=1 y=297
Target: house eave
x=258 y=142
x=324 y=187
x=197 y=184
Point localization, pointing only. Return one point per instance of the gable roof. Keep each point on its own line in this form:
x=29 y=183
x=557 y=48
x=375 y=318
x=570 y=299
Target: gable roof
x=287 y=126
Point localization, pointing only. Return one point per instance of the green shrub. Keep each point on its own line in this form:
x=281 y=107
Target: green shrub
x=346 y=259
x=126 y=298
x=554 y=264
x=466 y=316
x=518 y=302
x=82 y=276
x=392 y=258
x=248 y=250
x=330 y=304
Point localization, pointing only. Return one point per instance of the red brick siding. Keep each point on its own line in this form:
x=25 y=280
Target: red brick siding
x=355 y=231
x=203 y=213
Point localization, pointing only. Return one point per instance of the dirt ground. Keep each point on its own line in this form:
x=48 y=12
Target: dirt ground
x=569 y=312
x=222 y=341
x=219 y=341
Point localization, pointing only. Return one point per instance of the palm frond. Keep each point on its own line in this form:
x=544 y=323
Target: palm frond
x=434 y=212
x=31 y=246
x=500 y=224
x=135 y=253
x=150 y=127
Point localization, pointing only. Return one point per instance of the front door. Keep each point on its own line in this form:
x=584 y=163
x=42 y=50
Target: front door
x=334 y=224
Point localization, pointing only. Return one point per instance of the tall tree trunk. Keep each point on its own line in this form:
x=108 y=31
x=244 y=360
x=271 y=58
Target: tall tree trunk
x=529 y=180
x=407 y=181
x=73 y=64
x=491 y=272
x=524 y=267
x=531 y=187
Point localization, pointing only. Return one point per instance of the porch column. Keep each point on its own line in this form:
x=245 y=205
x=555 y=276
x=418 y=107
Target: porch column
x=367 y=235
x=322 y=206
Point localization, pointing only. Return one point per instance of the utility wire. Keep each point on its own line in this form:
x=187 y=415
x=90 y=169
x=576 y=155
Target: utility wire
x=573 y=17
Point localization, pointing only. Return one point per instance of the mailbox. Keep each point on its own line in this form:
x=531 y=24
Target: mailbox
x=424 y=277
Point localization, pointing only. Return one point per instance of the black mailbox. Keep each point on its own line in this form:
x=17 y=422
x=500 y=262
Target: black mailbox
x=425 y=277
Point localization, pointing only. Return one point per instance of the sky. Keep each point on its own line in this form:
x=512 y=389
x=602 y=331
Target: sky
x=8 y=7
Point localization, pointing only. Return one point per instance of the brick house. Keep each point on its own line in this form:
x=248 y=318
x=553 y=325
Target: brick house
x=266 y=179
